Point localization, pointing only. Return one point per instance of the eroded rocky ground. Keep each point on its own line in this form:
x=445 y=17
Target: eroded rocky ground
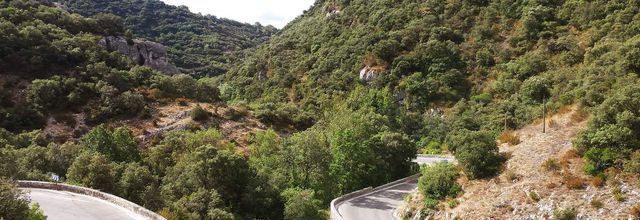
x=512 y=194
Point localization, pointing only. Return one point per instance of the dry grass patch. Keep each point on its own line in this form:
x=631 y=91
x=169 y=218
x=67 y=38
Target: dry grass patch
x=565 y=109
x=512 y=176
x=552 y=123
x=597 y=181
x=573 y=182
x=509 y=137
x=596 y=203
x=579 y=115
x=551 y=165
x=568 y=156
x=635 y=211
x=618 y=195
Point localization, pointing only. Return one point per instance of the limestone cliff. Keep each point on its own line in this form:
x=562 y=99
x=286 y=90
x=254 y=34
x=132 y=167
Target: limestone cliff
x=145 y=53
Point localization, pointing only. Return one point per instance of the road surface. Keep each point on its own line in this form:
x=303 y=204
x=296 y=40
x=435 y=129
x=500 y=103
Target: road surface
x=60 y=205
x=380 y=204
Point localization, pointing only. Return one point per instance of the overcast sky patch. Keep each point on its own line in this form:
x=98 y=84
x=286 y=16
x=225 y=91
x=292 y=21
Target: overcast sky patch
x=268 y=12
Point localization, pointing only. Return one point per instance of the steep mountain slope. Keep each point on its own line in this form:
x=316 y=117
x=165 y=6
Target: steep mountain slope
x=415 y=55
x=201 y=45
x=542 y=176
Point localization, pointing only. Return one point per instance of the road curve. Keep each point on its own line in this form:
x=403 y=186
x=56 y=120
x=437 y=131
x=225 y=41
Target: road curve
x=61 y=205
x=379 y=204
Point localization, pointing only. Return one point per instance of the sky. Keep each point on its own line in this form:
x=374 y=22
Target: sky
x=268 y=12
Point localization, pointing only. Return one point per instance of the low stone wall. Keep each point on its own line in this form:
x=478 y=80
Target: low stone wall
x=93 y=193
x=335 y=213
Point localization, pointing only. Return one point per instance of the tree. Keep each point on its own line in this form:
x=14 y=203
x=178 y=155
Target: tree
x=301 y=205
x=109 y=24
x=14 y=204
x=535 y=89
x=208 y=168
x=477 y=152
x=438 y=182
x=93 y=170
x=612 y=131
x=137 y=184
x=60 y=157
x=45 y=93
x=203 y=204
x=118 y=145
x=310 y=156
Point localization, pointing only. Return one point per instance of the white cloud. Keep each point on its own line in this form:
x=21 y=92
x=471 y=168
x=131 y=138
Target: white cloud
x=274 y=12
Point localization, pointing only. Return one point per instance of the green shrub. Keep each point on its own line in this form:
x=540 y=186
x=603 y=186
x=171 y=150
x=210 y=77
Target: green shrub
x=439 y=181
x=564 y=214
x=534 y=196
x=633 y=164
x=199 y=114
x=15 y=205
x=477 y=152
x=535 y=89
x=596 y=203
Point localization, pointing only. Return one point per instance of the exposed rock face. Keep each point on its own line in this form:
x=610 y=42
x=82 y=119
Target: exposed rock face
x=368 y=74
x=145 y=53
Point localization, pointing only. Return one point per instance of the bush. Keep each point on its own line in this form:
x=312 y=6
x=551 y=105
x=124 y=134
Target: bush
x=117 y=144
x=509 y=137
x=199 y=114
x=45 y=94
x=512 y=176
x=618 y=195
x=551 y=165
x=301 y=204
x=452 y=203
x=14 y=205
x=534 y=196
x=635 y=211
x=535 y=89
x=633 y=164
x=597 y=181
x=573 y=182
x=477 y=152
x=439 y=181
x=596 y=203
x=564 y=214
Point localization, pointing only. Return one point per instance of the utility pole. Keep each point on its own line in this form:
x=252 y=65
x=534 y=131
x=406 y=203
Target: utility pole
x=505 y=120
x=544 y=113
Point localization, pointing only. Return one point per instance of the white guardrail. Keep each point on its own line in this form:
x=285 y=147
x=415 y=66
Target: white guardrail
x=93 y=193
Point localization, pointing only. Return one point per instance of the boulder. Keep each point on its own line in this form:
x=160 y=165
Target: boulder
x=368 y=74
x=142 y=52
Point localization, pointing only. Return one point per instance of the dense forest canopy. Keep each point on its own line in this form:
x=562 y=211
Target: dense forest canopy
x=361 y=85
x=200 y=45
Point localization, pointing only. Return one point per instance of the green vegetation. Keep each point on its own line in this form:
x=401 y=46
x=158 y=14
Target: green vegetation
x=199 y=114
x=438 y=182
x=564 y=214
x=200 y=45
x=437 y=76
x=13 y=205
x=477 y=153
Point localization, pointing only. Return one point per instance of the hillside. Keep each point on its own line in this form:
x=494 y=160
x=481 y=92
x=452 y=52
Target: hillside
x=542 y=175
x=202 y=45
x=341 y=99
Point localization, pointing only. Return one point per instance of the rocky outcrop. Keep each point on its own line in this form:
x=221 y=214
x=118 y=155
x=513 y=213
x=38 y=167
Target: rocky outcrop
x=144 y=53
x=368 y=74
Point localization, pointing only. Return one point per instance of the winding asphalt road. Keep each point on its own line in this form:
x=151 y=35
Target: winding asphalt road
x=60 y=205
x=380 y=204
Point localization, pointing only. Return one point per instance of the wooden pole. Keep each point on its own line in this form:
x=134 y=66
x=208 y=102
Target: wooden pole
x=544 y=113
x=505 y=121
